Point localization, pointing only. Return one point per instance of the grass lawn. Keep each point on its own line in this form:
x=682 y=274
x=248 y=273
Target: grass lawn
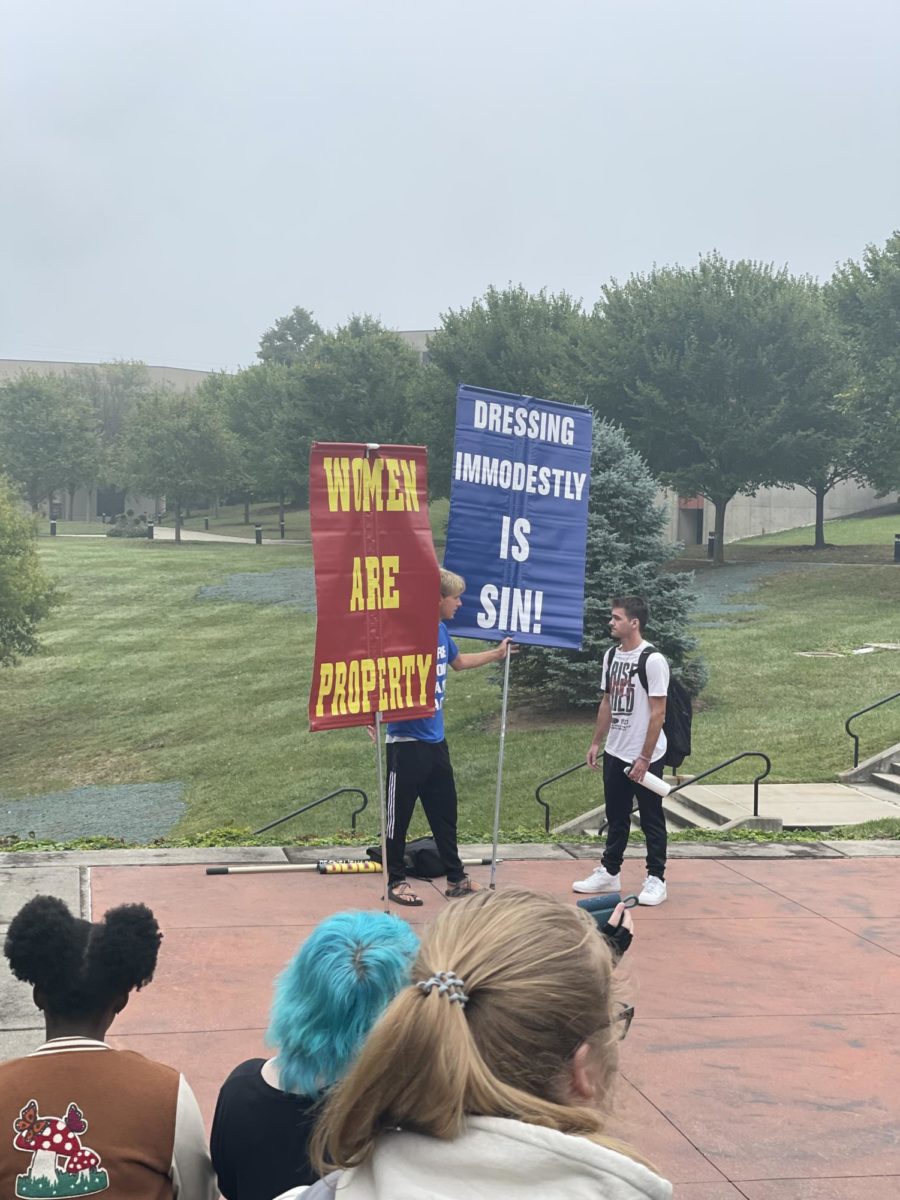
x=874 y=528
x=763 y=695
x=143 y=682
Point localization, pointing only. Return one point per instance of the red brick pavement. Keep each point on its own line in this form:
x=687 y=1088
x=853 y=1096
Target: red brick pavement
x=764 y=1059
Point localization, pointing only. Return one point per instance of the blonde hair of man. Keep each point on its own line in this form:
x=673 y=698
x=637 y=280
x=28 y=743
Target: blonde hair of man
x=451 y=584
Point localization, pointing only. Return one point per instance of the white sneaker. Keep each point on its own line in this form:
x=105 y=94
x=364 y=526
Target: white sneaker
x=653 y=891
x=599 y=880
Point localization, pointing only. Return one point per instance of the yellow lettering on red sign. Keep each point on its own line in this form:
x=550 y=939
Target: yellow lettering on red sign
x=374 y=582
x=367 y=685
x=371 y=484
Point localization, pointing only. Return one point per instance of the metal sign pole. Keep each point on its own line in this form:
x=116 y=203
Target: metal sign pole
x=381 y=810
x=500 y=768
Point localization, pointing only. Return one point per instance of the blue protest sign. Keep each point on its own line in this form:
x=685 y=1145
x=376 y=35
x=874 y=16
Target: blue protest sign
x=518 y=517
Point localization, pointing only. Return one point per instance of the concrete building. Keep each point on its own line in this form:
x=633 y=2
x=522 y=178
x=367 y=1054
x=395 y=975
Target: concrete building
x=771 y=509
x=179 y=378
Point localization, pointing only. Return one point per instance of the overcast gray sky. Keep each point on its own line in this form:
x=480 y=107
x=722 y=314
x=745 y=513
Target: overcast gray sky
x=178 y=174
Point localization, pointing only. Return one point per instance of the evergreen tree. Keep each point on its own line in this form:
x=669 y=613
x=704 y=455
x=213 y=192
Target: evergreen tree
x=626 y=550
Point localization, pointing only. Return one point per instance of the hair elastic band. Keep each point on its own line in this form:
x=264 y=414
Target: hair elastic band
x=447 y=984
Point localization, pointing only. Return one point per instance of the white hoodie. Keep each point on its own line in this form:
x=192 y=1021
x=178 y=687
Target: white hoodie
x=494 y=1159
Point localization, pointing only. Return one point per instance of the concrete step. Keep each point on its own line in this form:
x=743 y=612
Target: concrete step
x=678 y=816
x=891 y=782
x=894 y=768
x=594 y=831
x=684 y=815
x=707 y=809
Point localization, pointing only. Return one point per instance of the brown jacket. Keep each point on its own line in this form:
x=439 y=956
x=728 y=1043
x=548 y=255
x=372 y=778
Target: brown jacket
x=77 y=1117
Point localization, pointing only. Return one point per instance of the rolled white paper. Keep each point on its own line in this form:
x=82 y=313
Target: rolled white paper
x=652 y=783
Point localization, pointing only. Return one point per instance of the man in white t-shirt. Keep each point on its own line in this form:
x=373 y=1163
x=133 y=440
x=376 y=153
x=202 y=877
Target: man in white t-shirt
x=630 y=717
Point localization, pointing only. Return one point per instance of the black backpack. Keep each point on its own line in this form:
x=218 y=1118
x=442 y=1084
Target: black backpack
x=679 y=708
x=421 y=858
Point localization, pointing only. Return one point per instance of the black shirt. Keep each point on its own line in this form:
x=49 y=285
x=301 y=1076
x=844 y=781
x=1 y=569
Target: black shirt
x=260 y=1136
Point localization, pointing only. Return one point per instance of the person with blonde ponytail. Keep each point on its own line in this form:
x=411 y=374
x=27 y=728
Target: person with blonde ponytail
x=492 y=1074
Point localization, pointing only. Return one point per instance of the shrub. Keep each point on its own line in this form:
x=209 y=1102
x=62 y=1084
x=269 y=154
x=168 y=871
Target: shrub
x=26 y=594
x=127 y=525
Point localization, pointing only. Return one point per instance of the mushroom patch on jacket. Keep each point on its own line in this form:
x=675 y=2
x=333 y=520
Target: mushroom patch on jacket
x=61 y=1164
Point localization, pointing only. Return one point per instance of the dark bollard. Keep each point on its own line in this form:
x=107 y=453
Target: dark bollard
x=897 y=547
x=103 y=518
x=150 y=530
x=258 y=529
x=281 y=527
x=53 y=529
x=206 y=523
x=711 y=546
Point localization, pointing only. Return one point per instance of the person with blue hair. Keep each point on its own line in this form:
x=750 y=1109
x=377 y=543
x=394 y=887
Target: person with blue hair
x=326 y=1000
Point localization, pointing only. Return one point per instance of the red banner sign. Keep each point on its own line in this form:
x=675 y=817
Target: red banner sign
x=377 y=584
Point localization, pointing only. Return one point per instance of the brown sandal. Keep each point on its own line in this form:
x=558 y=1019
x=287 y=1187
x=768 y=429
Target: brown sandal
x=462 y=887
x=401 y=893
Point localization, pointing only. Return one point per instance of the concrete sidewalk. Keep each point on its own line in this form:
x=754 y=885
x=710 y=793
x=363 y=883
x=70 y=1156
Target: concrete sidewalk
x=764 y=1059
x=817 y=806
x=166 y=533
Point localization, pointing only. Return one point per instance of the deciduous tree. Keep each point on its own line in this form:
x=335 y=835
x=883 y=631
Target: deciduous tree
x=866 y=300
x=700 y=366
x=511 y=340
x=178 y=446
x=260 y=404
x=49 y=437
x=289 y=338
x=359 y=383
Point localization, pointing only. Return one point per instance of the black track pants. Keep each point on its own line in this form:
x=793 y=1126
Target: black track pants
x=421 y=771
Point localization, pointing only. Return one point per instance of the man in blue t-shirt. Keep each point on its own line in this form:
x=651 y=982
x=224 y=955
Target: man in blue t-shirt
x=418 y=763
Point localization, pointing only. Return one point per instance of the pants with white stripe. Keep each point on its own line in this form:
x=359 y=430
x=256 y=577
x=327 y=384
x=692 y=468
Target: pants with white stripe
x=421 y=771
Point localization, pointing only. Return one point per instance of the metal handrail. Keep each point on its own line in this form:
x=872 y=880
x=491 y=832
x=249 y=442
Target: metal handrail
x=727 y=763
x=677 y=788
x=553 y=778
x=853 y=716
x=315 y=803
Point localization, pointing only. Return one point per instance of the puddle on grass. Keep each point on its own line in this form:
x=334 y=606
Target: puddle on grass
x=135 y=812
x=294 y=586
x=716 y=590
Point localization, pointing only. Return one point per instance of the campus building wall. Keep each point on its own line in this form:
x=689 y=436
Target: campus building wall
x=179 y=378
x=771 y=509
